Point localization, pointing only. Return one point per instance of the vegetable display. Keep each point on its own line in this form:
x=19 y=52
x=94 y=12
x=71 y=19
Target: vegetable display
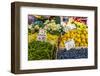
x=54 y=37
x=38 y=50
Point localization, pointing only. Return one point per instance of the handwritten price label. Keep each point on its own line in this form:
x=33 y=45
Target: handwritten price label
x=69 y=27
x=69 y=44
x=42 y=35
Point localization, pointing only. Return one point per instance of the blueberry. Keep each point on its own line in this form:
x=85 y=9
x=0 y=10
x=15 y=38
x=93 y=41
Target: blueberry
x=72 y=53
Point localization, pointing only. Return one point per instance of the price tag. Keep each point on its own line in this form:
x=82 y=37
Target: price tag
x=70 y=44
x=69 y=27
x=41 y=35
x=72 y=26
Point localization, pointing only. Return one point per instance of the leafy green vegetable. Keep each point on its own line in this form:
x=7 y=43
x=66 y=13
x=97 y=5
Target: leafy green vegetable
x=38 y=50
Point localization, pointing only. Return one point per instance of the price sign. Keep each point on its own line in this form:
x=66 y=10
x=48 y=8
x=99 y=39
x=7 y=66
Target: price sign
x=69 y=27
x=70 y=44
x=41 y=35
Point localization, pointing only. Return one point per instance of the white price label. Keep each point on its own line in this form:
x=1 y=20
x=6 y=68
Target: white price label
x=42 y=35
x=69 y=27
x=72 y=26
x=70 y=44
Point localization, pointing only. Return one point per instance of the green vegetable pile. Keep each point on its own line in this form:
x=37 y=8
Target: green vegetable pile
x=38 y=50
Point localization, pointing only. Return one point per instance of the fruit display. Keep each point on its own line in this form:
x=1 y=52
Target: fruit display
x=72 y=53
x=57 y=37
x=32 y=37
x=53 y=39
x=80 y=36
x=80 y=25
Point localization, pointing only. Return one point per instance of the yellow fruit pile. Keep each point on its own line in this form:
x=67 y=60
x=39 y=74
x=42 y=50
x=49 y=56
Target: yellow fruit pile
x=80 y=36
x=32 y=37
x=53 y=39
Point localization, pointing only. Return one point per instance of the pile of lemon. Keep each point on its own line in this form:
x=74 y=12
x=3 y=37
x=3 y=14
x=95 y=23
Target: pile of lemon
x=80 y=36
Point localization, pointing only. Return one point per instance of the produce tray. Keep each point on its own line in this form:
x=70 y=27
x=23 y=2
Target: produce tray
x=74 y=53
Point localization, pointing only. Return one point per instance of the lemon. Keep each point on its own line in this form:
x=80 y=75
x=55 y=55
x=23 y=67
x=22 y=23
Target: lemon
x=81 y=44
x=82 y=36
x=83 y=40
x=85 y=32
x=85 y=44
x=78 y=35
